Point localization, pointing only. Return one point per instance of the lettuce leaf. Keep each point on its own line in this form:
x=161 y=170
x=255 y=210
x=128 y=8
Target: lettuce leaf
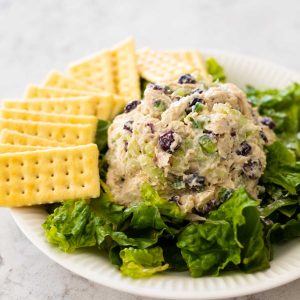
x=283 y=106
x=101 y=135
x=279 y=233
x=277 y=204
x=71 y=226
x=216 y=70
x=281 y=168
x=101 y=141
x=232 y=234
x=166 y=208
x=140 y=263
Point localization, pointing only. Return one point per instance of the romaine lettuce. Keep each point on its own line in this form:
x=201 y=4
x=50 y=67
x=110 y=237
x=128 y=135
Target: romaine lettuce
x=139 y=263
x=232 y=235
x=216 y=70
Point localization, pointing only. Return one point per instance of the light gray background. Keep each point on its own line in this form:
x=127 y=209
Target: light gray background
x=37 y=36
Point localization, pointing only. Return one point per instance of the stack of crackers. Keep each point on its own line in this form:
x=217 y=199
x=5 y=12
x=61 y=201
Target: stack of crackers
x=47 y=150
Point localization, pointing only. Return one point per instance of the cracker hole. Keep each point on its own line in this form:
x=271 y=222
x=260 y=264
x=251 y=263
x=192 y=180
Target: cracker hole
x=37 y=176
x=37 y=190
x=66 y=159
x=52 y=175
x=77 y=136
x=36 y=162
x=51 y=161
x=22 y=164
x=53 y=189
x=83 y=185
x=23 y=192
x=7 y=193
x=81 y=172
x=22 y=178
x=7 y=180
x=67 y=173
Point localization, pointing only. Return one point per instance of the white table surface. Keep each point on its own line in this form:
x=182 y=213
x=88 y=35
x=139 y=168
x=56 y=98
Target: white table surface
x=38 y=36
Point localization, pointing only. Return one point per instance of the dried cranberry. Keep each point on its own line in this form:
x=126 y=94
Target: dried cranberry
x=244 y=150
x=157 y=87
x=192 y=104
x=151 y=126
x=175 y=199
x=232 y=133
x=268 y=122
x=263 y=136
x=128 y=126
x=131 y=106
x=252 y=168
x=194 y=181
x=125 y=146
x=197 y=91
x=209 y=206
x=187 y=78
x=207 y=131
x=167 y=142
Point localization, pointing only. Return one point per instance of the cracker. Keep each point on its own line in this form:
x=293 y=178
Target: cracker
x=48 y=176
x=118 y=106
x=193 y=58
x=126 y=76
x=96 y=70
x=156 y=66
x=28 y=115
x=35 y=91
x=7 y=148
x=58 y=80
x=84 y=105
x=72 y=134
x=16 y=138
x=105 y=107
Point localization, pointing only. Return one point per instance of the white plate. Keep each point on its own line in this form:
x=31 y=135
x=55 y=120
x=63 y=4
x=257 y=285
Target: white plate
x=94 y=266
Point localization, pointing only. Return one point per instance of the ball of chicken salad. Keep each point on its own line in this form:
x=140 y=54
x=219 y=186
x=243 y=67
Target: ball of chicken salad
x=189 y=141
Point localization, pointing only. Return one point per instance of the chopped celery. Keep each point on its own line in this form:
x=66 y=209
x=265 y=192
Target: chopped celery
x=197 y=107
x=160 y=105
x=207 y=144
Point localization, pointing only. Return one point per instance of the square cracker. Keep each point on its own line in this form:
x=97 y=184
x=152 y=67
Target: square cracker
x=156 y=66
x=47 y=176
x=16 y=138
x=118 y=106
x=193 y=58
x=58 y=80
x=39 y=116
x=72 y=134
x=126 y=76
x=7 y=148
x=95 y=70
x=35 y=91
x=79 y=105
